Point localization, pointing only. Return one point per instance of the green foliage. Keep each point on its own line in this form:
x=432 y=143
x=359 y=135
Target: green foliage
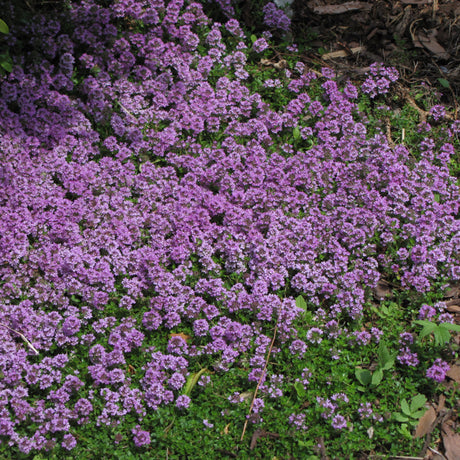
x=411 y=411
x=439 y=332
x=6 y=63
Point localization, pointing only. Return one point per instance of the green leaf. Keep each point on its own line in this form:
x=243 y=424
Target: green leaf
x=192 y=381
x=296 y=133
x=428 y=327
x=404 y=431
x=444 y=82
x=418 y=413
x=300 y=302
x=4 y=29
x=300 y=389
x=377 y=377
x=7 y=66
x=417 y=402
x=450 y=326
x=364 y=376
x=386 y=360
x=441 y=336
x=400 y=417
x=361 y=106
x=253 y=38
x=405 y=407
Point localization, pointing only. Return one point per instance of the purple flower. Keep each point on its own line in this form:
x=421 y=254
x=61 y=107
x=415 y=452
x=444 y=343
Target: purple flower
x=314 y=335
x=438 y=112
x=200 y=327
x=438 y=370
x=151 y=320
x=176 y=381
x=298 y=347
x=183 y=402
x=298 y=421
x=258 y=405
x=71 y=326
x=275 y=17
x=141 y=437
x=69 y=442
x=207 y=424
x=339 y=422
x=426 y=312
x=407 y=357
x=260 y=45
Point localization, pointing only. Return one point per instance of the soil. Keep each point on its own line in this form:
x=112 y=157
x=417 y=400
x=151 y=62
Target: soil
x=421 y=38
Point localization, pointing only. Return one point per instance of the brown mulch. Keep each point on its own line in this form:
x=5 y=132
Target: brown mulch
x=421 y=38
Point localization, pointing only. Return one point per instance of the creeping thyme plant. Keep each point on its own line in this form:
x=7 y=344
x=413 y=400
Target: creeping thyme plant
x=192 y=235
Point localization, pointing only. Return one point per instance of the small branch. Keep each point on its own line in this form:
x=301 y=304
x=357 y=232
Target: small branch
x=23 y=338
x=260 y=380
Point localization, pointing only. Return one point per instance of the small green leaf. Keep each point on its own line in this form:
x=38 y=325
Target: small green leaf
x=253 y=38
x=300 y=302
x=386 y=360
x=6 y=63
x=192 y=381
x=404 y=431
x=377 y=377
x=405 y=407
x=441 y=336
x=450 y=326
x=444 y=82
x=428 y=328
x=417 y=402
x=400 y=417
x=4 y=29
x=296 y=133
x=364 y=376
x=300 y=389
x=418 y=413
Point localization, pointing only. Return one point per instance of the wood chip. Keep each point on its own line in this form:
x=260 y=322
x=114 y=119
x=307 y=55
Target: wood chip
x=340 y=8
x=416 y=2
x=342 y=53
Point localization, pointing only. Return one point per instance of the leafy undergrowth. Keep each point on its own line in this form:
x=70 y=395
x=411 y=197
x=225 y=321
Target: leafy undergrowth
x=208 y=248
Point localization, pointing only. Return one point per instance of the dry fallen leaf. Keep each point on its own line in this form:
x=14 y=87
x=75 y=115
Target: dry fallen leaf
x=454 y=373
x=453 y=309
x=428 y=40
x=180 y=334
x=425 y=423
x=441 y=403
x=342 y=53
x=451 y=442
x=416 y=2
x=339 y=8
x=382 y=289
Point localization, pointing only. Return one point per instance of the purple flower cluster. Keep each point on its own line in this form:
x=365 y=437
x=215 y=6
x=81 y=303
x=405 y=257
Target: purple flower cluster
x=379 y=79
x=275 y=17
x=438 y=370
x=123 y=222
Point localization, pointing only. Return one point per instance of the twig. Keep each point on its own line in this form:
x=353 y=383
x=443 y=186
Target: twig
x=260 y=380
x=22 y=336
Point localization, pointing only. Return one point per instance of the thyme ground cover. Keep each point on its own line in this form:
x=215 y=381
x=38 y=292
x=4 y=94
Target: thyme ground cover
x=192 y=244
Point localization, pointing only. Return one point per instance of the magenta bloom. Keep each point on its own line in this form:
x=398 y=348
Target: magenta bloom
x=438 y=370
